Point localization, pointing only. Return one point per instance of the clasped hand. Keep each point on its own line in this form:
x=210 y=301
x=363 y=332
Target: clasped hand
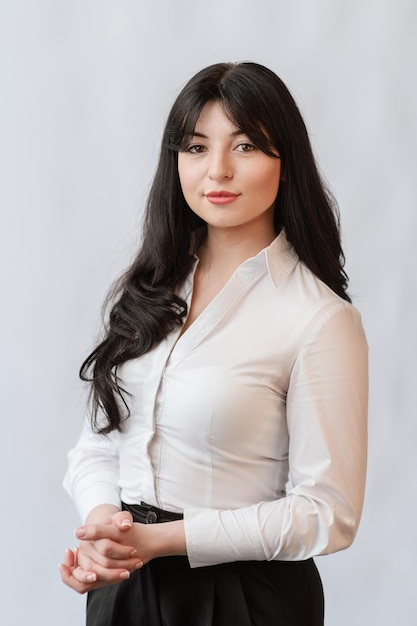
x=107 y=553
x=112 y=547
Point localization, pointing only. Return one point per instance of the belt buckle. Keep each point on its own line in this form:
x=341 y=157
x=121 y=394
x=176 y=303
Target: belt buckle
x=151 y=517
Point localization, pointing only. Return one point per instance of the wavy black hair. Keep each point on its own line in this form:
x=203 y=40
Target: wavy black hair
x=144 y=306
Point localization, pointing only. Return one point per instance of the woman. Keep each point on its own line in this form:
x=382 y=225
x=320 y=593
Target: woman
x=230 y=388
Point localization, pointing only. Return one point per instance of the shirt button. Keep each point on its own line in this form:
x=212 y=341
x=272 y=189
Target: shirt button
x=151 y=517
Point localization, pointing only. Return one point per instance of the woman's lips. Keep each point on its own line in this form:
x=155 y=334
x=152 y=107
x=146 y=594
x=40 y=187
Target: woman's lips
x=221 y=197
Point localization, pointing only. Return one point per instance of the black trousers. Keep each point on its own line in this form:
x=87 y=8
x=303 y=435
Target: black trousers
x=167 y=592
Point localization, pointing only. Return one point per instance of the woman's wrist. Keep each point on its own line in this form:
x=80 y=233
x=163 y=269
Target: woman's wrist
x=174 y=538
x=156 y=540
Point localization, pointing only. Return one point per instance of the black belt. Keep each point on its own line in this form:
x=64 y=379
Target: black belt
x=147 y=514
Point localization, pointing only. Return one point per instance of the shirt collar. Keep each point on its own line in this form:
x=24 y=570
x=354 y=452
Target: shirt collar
x=278 y=259
x=281 y=258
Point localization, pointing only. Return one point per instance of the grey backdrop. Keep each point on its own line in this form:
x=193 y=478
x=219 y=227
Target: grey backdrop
x=85 y=88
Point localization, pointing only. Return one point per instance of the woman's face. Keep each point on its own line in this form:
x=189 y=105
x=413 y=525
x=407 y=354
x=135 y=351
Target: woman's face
x=225 y=179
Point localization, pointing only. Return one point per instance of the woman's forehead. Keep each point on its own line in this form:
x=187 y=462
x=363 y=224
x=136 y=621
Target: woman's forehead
x=213 y=117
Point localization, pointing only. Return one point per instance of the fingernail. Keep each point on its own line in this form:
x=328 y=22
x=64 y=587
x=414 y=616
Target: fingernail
x=125 y=575
x=126 y=522
x=134 y=552
x=91 y=578
x=79 y=533
x=138 y=565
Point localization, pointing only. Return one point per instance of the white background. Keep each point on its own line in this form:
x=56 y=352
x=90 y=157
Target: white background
x=85 y=89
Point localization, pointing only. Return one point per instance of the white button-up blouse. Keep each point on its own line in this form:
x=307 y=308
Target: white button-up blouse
x=252 y=422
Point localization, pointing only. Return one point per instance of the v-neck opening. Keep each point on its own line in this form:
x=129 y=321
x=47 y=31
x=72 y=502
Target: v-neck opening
x=233 y=290
x=203 y=311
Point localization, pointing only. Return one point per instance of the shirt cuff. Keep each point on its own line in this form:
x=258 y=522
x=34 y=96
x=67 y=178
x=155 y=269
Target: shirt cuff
x=214 y=537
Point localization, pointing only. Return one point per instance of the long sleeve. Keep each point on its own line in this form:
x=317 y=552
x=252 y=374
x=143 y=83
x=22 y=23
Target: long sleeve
x=326 y=408
x=92 y=477
x=252 y=422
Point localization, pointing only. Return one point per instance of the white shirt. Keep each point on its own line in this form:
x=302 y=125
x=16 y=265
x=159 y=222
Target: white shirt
x=252 y=422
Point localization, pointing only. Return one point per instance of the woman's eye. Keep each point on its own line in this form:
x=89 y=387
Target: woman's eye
x=196 y=149
x=245 y=147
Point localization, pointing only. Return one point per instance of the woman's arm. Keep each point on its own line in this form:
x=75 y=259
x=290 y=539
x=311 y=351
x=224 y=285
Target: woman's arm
x=326 y=416
x=92 y=476
x=148 y=541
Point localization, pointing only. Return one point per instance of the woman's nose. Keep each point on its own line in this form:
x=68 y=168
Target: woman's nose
x=220 y=166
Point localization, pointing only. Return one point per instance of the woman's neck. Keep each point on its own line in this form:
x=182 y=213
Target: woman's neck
x=227 y=248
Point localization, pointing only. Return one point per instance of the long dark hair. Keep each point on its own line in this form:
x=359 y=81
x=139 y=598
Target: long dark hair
x=144 y=305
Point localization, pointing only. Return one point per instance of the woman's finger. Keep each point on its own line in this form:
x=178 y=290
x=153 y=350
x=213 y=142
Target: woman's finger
x=108 y=552
x=99 y=574
x=92 y=532
x=110 y=549
x=123 y=520
x=69 y=558
x=82 y=581
x=109 y=533
x=90 y=560
x=121 y=557
x=70 y=580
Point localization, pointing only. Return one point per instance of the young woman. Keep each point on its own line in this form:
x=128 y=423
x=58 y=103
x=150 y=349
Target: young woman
x=228 y=436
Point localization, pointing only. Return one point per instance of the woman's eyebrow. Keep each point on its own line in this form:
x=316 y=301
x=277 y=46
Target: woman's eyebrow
x=235 y=133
